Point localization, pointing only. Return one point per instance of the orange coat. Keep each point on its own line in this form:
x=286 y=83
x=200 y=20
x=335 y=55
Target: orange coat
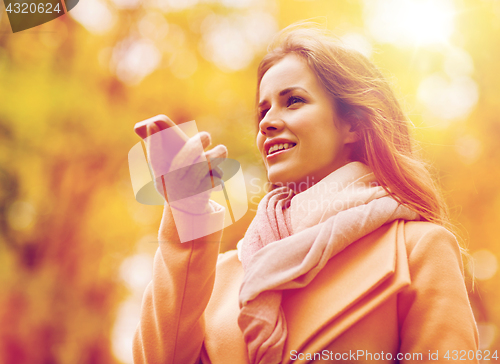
x=399 y=289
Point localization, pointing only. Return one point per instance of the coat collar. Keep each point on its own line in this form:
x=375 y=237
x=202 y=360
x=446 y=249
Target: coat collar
x=353 y=283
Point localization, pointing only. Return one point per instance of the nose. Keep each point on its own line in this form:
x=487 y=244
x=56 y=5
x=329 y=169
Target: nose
x=271 y=124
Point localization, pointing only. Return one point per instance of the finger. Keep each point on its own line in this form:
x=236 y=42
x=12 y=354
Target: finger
x=217 y=173
x=192 y=151
x=200 y=179
x=215 y=162
x=154 y=149
x=219 y=151
x=152 y=128
x=206 y=139
x=216 y=177
x=195 y=174
x=214 y=157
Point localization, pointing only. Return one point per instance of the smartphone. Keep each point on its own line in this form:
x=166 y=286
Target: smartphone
x=163 y=122
x=176 y=141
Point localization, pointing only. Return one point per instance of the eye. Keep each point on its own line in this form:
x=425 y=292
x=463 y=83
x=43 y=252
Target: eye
x=293 y=100
x=263 y=113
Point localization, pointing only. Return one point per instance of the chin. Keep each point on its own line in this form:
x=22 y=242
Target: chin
x=296 y=184
x=276 y=180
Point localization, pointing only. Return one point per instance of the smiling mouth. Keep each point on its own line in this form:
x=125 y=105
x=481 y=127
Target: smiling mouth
x=277 y=148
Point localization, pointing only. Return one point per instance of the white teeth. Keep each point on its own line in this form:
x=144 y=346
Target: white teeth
x=279 y=147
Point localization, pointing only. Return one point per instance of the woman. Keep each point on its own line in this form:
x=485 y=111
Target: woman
x=347 y=259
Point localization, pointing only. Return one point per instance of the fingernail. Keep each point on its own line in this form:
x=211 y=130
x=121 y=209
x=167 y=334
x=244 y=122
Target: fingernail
x=152 y=128
x=223 y=150
x=205 y=138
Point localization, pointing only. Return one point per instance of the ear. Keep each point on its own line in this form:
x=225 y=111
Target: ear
x=353 y=135
x=350 y=129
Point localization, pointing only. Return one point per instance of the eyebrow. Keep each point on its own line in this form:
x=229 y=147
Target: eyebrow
x=284 y=92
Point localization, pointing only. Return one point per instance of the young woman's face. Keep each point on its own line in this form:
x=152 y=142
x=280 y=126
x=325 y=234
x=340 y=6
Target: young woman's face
x=298 y=117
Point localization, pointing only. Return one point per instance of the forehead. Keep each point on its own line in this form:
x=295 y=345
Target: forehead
x=291 y=70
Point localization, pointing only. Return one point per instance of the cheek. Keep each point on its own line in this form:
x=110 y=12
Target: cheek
x=259 y=141
x=323 y=141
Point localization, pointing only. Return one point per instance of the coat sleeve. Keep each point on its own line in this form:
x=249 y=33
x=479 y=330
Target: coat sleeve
x=171 y=327
x=434 y=311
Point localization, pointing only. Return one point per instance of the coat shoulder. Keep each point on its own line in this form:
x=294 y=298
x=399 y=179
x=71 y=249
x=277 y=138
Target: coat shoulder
x=419 y=234
x=430 y=244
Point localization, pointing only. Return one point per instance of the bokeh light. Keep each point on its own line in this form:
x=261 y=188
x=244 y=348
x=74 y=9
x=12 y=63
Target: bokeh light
x=133 y=59
x=126 y=4
x=410 y=22
x=487 y=334
x=175 y=5
x=127 y=317
x=183 y=63
x=20 y=215
x=447 y=98
x=153 y=26
x=237 y=3
x=95 y=15
x=469 y=148
x=357 y=42
x=458 y=62
x=231 y=42
x=484 y=264
x=136 y=271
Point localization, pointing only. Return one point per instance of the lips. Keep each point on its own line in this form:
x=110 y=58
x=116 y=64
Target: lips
x=278 y=152
x=275 y=144
x=277 y=147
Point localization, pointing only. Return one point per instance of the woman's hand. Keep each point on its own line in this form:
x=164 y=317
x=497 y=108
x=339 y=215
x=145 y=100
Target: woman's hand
x=192 y=175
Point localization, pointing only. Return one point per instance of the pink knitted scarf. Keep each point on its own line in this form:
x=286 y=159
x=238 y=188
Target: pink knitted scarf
x=291 y=239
